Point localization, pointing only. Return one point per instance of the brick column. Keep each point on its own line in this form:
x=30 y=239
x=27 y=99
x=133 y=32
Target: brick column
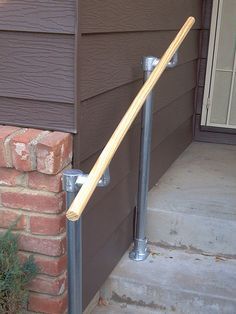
x=31 y=165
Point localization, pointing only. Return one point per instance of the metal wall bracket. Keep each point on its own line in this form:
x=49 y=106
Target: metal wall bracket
x=150 y=62
x=103 y=182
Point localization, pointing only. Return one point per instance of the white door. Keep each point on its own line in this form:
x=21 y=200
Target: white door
x=219 y=102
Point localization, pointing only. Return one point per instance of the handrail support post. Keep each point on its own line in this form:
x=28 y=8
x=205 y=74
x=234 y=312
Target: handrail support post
x=74 y=246
x=140 y=249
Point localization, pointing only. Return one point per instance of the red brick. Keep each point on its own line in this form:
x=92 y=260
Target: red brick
x=53 y=266
x=42 y=245
x=47 y=304
x=54 y=152
x=49 y=285
x=5 y=132
x=11 y=177
x=51 y=225
x=48 y=265
x=9 y=217
x=34 y=201
x=41 y=181
x=23 y=148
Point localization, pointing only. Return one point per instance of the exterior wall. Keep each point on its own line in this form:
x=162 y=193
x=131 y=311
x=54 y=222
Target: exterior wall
x=37 y=40
x=31 y=163
x=114 y=35
x=203 y=133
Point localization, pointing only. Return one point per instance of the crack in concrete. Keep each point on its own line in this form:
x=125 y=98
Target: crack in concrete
x=124 y=299
x=191 y=249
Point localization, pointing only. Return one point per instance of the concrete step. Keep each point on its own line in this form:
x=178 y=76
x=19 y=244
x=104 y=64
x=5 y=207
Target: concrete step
x=172 y=281
x=194 y=203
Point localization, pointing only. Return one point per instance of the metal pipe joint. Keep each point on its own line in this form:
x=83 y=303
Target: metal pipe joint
x=73 y=179
x=103 y=182
x=150 y=62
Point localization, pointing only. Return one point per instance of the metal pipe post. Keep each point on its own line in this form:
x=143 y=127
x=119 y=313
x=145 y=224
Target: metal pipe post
x=140 y=250
x=74 y=246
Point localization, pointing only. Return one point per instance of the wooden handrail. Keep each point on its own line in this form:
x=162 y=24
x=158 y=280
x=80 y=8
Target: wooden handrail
x=77 y=207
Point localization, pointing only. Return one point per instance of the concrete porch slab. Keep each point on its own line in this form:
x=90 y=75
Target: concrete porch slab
x=194 y=203
x=172 y=281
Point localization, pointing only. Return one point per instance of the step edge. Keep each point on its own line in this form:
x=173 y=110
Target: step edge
x=165 y=287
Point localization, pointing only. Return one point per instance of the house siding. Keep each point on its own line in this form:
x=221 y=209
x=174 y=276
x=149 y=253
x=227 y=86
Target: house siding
x=37 y=40
x=114 y=35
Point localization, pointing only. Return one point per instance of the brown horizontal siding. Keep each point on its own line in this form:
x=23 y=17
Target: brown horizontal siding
x=109 y=215
x=112 y=209
x=123 y=163
x=112 y=60
x=169 y=150
x=97 y=269
x=37 y=66
x=37 y=54
x=48 y=16
x=100 y=115
x=37 y=114
x=175 y=83
x=166 y=121
x=136 y=15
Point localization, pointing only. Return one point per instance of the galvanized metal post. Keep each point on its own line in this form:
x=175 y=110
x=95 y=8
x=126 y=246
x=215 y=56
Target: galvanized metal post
x=74 y=246
x=140 y=250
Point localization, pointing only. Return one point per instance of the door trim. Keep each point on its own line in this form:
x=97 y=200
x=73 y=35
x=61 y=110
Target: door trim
x=211 y=62
x=211 y=70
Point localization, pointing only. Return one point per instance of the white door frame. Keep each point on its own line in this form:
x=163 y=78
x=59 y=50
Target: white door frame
x=211 y=69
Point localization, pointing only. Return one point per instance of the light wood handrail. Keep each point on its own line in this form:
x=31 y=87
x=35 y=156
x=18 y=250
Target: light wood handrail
x=77 y=207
